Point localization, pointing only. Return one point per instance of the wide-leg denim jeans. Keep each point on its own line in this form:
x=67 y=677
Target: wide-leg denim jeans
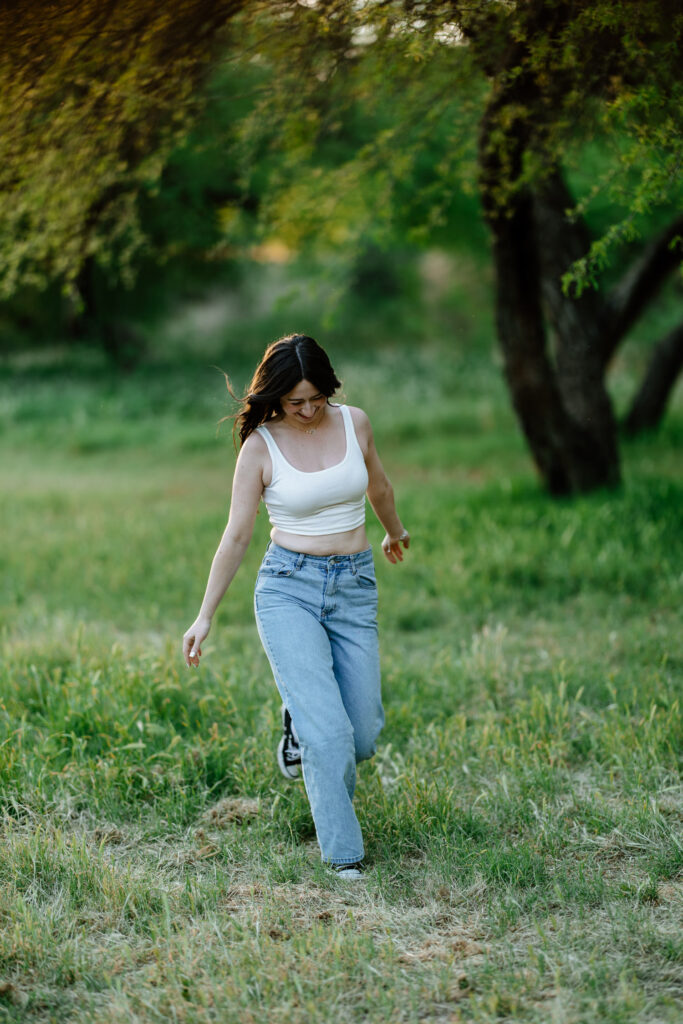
x=317 y=619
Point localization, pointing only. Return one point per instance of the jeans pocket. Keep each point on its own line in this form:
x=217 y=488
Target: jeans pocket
x=275 y=567
x=366 y=580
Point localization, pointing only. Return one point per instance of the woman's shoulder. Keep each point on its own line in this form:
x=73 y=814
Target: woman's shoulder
x=254 y=460
x=360 y=419
x=273 y=427
x=254 y=448
x=362 y=428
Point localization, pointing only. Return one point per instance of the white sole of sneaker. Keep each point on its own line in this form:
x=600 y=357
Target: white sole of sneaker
x=349 y=874
x=290 y=771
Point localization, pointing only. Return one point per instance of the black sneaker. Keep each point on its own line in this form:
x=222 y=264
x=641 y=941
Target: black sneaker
x=349 y=872
x=288 y=752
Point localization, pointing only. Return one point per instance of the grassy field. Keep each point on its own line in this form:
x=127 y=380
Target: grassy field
x=523 y=815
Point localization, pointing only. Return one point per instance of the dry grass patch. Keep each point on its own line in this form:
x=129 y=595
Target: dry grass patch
x=231 y=809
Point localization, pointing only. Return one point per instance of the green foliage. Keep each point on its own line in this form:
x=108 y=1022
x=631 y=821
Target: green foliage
x=93 y=100
x=135 y=139
x=419 y=79
x=361 y=139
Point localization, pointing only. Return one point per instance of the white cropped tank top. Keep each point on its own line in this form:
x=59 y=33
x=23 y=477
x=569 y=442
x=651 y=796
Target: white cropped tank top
x=325 y=501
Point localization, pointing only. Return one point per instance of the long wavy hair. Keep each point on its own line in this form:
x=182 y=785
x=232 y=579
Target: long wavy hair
x=285 y=363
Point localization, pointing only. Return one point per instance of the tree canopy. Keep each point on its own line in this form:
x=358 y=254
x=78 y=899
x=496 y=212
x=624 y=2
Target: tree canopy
x=547 y=76
x=94 y=97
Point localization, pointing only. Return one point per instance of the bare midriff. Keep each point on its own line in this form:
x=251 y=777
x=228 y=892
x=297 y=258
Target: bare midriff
x=350 y=542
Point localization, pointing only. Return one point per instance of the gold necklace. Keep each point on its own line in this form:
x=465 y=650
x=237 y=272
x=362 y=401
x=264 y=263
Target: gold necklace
x=310 y=430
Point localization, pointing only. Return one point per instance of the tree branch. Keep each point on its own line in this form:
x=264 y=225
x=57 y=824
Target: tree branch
x=665 y=365
x=640 y=284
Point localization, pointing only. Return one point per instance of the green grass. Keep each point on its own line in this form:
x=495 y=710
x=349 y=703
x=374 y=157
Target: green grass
x=523 y=814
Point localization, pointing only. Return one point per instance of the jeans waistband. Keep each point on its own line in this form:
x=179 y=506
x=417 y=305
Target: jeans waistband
x=354 y=561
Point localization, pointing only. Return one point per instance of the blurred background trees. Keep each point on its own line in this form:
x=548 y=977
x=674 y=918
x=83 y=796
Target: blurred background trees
x=153 y=153
x=95 y=100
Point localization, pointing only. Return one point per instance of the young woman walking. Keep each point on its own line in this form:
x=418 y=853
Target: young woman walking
x=312 y=462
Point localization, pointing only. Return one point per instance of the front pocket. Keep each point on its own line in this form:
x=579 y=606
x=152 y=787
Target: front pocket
x=271 y=567
x=366 y=581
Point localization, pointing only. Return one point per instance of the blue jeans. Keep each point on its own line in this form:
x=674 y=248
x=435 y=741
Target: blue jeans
x=317 y=619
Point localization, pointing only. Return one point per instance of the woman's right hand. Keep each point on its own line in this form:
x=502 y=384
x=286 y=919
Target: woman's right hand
x=193 y=639
x=391 y=546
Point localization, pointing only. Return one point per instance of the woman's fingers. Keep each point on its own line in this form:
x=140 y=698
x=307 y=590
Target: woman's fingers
x=392 y=548
x=192 y=647
x=194 y=638
x=188 y=651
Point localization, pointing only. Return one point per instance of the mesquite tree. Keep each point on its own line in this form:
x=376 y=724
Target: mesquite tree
x=550 y=74
x=554 y=56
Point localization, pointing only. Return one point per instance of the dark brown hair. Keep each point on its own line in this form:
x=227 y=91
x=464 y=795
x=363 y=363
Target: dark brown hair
x=285 y=364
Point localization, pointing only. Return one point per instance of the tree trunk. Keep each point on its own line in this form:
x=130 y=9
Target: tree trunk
x=579 y=324
x=590 y=328
x=570 y=433
x=566 y=451
x=650 y=402
x=563 y=405
x=95 y=321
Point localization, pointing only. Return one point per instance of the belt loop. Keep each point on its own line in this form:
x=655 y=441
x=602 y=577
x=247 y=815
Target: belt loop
x=353 y=565
x=300 y=560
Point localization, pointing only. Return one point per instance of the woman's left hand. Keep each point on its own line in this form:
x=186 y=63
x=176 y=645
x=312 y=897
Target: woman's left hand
x=391 y=546
x=194 y=638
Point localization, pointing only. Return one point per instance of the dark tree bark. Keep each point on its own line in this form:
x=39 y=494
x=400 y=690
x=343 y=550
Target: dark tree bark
x=567 y=454
x=589 y=328
x=118 y=338
x=640 y=285
x=664 y=367
x=564 y=410
x=579 y=324
x=563 y=404
x=561 y=400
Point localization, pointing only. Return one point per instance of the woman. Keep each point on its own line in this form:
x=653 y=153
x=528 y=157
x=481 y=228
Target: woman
x=312 y=462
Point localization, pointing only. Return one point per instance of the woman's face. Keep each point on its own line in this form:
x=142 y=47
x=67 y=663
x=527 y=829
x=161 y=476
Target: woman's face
x=303 y=406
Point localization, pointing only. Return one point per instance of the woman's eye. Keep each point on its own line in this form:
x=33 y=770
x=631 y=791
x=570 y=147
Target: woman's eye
x=297 y=402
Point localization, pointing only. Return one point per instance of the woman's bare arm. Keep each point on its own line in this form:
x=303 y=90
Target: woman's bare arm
x=380 y=492
x=247 y=488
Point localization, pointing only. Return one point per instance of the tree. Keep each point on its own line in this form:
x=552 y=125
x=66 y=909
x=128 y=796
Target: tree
x=557 y=54
x=556 y=74
x=95 y=95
